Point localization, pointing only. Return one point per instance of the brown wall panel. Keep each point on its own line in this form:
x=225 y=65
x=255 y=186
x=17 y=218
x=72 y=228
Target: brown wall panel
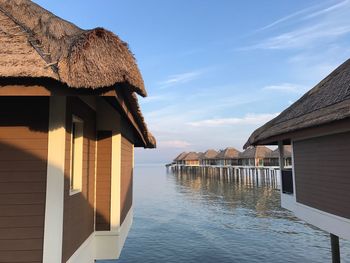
x=23 y=169
x=103 y=180
x=78 y=216
x=126 y=178
x=322 y=176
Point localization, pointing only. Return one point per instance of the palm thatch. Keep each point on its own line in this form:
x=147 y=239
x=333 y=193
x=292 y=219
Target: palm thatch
x=209 y=154
x=255 y=152
x=228 y=153
x=287 y=152
x=327 y=102
x=192 y=156
x=36 y=43
x=180 y=157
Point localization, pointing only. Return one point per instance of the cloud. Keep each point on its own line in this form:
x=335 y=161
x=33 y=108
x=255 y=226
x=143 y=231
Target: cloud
x=287 y=88
x=301 y=38
x=249 y=119
x=287 y=18
x=173 y=144
x=152 y=99
x=305 y=14
x=316 y=25
x=180 y=78
x=327 y=10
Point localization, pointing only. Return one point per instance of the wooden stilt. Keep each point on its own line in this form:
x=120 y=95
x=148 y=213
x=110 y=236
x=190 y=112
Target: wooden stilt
x=335 y=248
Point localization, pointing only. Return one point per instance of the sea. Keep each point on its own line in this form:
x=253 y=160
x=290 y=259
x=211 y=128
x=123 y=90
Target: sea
x=191 y=218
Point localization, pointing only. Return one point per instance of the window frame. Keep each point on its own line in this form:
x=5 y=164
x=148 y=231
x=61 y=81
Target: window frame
x=76 y=155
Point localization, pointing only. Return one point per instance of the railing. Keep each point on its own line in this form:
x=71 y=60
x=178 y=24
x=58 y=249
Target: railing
x=287 y=181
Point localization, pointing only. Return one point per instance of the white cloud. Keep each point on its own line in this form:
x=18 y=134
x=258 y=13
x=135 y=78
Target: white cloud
x=249 y=119
x=173 y=144
x=180 y=78
x=152 y=99
x=327 y=10
x=315 y=27
x=303 y=37
x=287 y=88
x=305 y=14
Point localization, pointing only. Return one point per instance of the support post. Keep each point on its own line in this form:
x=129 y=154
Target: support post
x=335 y=248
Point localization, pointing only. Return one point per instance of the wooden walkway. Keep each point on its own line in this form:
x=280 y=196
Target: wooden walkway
x=247 y=174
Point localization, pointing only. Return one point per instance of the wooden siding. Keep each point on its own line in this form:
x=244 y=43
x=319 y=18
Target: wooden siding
x=126 y=178
x=78 y=208
x=23 y=169
x=103 y=180
x=322 y=176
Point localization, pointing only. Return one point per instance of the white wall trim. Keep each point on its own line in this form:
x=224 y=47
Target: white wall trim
x=331 y=223
x=115 y=181
x=105 y=113
x=103 y=245
x=53 y=229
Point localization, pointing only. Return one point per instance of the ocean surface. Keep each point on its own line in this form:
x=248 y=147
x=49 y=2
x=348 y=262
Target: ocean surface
x=193 y=218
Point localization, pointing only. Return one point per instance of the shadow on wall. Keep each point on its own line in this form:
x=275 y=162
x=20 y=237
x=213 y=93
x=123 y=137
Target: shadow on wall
x=23 y=172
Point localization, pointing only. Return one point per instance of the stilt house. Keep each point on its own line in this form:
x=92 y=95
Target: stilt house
x=69 y=123
x=192 y=159
x=317 y=126
x=229 y=156
x=179 y=160
x=254 y=156
x=209 y=157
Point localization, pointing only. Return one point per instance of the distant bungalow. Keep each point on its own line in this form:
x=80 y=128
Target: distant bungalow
x=229 y=156
x=192 y=159
x=259 y=156
x=317 y=127
x=179 y=160
x=255 y=156
x=273 y=159
x=209 y=157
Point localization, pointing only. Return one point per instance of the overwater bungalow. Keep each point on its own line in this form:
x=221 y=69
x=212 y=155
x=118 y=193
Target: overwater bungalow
x=69 y=123
x=254 y=156
x=179 y=160
x=192 y=159
x=273 y=159
x=209 y=157
x=228 y=156
x=317 y=127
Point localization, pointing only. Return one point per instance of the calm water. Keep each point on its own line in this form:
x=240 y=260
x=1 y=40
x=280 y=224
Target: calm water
x=197 y=219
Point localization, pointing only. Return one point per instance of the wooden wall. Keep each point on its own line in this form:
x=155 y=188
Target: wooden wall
x=322 y=176
x=23 y=169
x=126 y=178
x=78 y=208
x=103 y=180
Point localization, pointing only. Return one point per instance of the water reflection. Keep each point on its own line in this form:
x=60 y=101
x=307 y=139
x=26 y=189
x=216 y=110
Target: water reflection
x=259 y=194
x=197 y=218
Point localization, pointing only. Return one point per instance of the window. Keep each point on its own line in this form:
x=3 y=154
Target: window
x=76 y=172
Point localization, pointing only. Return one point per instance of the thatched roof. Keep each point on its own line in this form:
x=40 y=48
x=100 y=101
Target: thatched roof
x=255 y=152
x=228 y=153
x=287 y=151
x=192 y=156
x=180 y=157
x=36 y=43
x=209 y=154
x=327 y=102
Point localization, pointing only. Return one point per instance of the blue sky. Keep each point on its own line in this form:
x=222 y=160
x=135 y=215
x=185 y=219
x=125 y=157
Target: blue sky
x=216 y=70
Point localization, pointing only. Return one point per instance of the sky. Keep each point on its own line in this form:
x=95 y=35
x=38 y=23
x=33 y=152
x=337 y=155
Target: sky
x=217 y=70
